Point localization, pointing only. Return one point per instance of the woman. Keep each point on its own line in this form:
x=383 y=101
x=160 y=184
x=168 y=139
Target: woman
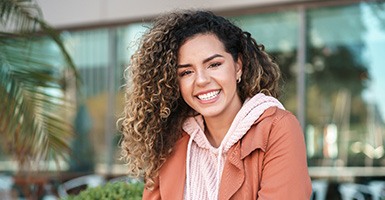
x=201 y=117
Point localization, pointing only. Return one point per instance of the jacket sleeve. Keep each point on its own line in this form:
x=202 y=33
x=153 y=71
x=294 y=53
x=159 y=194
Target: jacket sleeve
x=285 y=173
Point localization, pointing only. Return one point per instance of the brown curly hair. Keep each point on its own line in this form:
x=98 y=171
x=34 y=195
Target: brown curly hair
x=154 y=109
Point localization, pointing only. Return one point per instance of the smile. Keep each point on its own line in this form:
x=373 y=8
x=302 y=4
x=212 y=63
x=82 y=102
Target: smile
x=209 y=96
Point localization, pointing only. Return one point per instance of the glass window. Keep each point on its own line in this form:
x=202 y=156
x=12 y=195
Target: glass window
x=345 y=93
x=89 y=50
x=278 y=32
x=101 y=56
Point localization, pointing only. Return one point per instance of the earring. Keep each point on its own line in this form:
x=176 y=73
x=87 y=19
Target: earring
x=239 y=80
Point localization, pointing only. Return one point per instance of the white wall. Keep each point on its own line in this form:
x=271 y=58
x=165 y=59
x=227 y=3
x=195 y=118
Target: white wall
x=75 y=13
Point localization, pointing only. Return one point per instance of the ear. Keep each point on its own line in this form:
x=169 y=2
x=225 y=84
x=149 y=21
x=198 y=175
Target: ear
x=238 y=67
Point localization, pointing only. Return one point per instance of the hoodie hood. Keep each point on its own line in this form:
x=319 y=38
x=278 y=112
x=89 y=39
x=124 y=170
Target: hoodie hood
x=204 y=163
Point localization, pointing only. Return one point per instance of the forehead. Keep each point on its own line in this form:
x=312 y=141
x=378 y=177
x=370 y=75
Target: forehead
x=200 y=45
x=206 y=37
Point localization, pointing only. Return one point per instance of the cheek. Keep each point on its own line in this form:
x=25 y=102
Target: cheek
x=183 y=89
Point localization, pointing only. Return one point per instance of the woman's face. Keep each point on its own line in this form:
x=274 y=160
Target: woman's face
x=207 y=76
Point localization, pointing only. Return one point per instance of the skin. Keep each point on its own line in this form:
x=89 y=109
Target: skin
x=207 y=78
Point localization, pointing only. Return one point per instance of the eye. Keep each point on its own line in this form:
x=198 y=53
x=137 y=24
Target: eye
x=185 y=72
x=216 y=64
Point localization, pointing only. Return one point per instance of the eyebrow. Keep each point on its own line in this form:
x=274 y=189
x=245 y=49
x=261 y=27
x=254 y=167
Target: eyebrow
x=204 y=61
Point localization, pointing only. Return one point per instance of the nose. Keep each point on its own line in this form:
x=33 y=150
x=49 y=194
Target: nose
x=202 y=78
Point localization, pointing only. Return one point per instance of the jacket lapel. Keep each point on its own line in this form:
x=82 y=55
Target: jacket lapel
x=233 y=174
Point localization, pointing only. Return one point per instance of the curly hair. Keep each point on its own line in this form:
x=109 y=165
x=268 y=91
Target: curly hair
x=154 y=109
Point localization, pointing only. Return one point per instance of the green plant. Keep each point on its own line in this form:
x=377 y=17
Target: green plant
x=111 y=191
x=35 y=72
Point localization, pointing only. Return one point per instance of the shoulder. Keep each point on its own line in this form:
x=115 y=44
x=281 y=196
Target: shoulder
x=281 y=129
x=273 y=123
x=170 y=181
x=273 y=115
x=275 y=119
x=177 y=157
x=178 y=152
x=182 y=142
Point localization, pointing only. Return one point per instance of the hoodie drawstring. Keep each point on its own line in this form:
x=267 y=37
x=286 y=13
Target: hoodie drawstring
x=188 y=157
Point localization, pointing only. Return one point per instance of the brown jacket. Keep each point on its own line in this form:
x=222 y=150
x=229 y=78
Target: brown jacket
x=269 y=162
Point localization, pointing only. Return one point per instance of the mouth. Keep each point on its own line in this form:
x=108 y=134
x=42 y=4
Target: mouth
x=209 y=95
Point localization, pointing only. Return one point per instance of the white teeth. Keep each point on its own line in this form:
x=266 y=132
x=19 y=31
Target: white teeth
x=209 y=95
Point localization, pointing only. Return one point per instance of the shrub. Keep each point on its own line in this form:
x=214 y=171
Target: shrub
x=111 y=191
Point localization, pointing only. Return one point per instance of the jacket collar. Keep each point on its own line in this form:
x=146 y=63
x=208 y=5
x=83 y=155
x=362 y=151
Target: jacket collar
x=257 y=138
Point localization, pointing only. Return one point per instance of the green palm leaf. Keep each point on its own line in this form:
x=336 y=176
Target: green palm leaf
x=34 y=68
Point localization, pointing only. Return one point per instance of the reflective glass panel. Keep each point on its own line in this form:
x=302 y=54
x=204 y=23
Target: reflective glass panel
x=278 y=32
x=345 y=91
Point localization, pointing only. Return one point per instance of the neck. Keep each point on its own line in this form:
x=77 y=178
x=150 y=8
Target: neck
x=215 y=132
x=217 y=127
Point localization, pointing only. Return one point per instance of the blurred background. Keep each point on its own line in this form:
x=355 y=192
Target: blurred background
x=332 y=54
